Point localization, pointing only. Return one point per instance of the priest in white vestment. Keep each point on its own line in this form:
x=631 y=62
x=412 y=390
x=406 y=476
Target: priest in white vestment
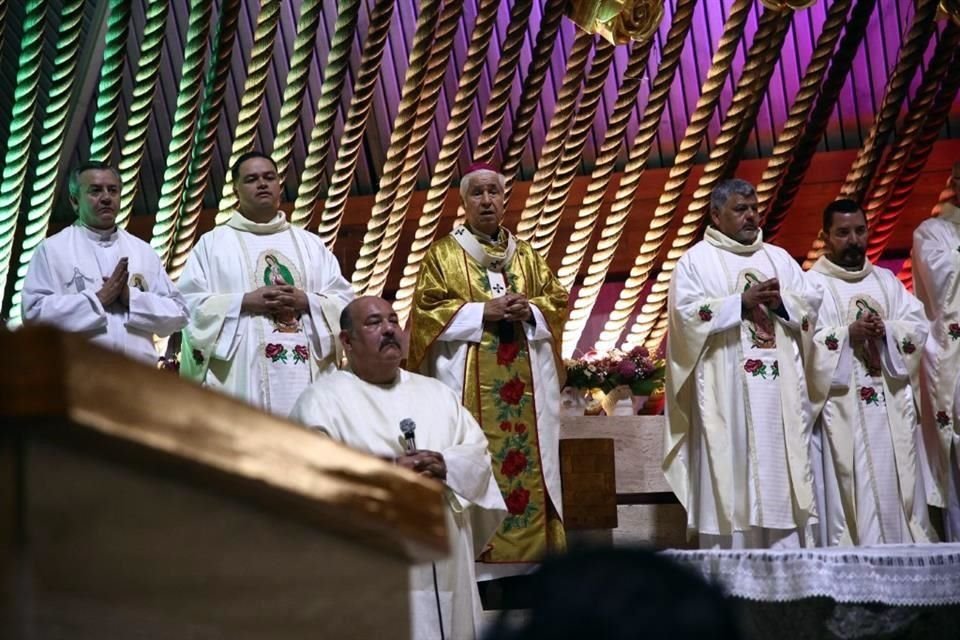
x=738 y=416
x=867 y=349
x=364 y=408
x=936 y=280
x=97 y=280
x=264 y=298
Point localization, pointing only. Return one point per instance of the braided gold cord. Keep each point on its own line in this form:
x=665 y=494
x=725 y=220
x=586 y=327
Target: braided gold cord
x=292 y=102
x=325 y=116
x=566 y=167
x=761 y=60
x=426 y=112
x=453 y=140
x=201 y=153
x=248 y=117
x=111 y=81
x=683 y=164
x=62 y=79
x=353 y=128
x=399 y=139
x=532 y=87
x=911 y=55
x=14 y=170
x=502 y=86
x=616 y=220
x=184 y=124
x=807 y=92
x=141 y=105
x=881 y=216
x=560 y=122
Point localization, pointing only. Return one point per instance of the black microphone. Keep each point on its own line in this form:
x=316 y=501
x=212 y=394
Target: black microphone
x=407 y=428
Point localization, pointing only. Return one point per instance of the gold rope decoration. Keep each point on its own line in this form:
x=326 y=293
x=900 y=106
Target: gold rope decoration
x=683 y=164
x=453 y=139
x=532 y=88
x=141 y=105
x=201 y=153
x=325 y=115
x=560 y=122
x=807 y=93
x=502 y=85
x=881 y=217
x=911 y=55
x=111 y=81
x=300 y=65
x=261 y=53
x=62 y=78
x=184 y=124
x=571 y=154
x=761 y=60
x=616 y=220
x=21 y=131
x=399 y=139
x=353 y=128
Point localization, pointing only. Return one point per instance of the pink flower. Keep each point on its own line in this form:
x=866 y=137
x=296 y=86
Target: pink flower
x=627 y=369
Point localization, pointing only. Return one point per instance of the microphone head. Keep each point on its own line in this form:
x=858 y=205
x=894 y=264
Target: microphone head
x=408 y=427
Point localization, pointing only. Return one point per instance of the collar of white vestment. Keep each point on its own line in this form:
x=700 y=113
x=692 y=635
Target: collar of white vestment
x=279 y=223
x=715 y=237
x=472 y=245
x=950 y=212
x=105 y=236
x=826 y=267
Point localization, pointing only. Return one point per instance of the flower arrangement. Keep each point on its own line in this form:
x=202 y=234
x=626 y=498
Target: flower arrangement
x=634 y=369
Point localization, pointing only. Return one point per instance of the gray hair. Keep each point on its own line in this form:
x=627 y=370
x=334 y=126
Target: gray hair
x=73 y=183
x=465 y=181
x=735 y=186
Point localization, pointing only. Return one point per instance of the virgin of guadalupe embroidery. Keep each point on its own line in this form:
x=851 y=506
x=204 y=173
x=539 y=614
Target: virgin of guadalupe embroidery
x=759 y=320
x=137 y=281
x=867 y=352
x=275 y=269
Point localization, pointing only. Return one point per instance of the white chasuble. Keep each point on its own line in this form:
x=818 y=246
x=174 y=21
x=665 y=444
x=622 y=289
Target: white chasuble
x=265 y=360
x=738 y=437
x=367 y=417
x=872 y=489
x=69 y=268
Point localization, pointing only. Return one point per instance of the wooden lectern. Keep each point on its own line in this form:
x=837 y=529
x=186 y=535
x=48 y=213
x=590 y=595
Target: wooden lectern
x=134 y=504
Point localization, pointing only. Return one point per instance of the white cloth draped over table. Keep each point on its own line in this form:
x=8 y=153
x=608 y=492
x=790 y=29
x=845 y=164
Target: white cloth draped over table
x=68 y=269
x=367 y=417
x=737 y=406
x=872 y=482
x=936 y=267
x=249 y=356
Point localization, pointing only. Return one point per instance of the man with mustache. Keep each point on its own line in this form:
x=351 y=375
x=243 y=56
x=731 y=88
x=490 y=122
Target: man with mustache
x=364 y=406
x=487 y=319
x=96 y=279
x=936 y=270
x=738 y=438
x=866 y=357
x=260 y=338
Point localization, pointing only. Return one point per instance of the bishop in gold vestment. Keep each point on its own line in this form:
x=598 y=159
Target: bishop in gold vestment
x=487 y=320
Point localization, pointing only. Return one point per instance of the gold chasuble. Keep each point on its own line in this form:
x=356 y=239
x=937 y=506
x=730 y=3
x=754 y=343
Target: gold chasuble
x=503 y=372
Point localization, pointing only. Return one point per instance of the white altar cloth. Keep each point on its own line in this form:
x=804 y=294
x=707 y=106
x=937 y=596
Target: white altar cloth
x=898 y=575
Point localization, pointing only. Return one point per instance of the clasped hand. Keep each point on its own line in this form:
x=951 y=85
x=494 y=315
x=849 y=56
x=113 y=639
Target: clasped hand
x=115 y=288
x=275 y=300
x=766 y=293
x=868 y=326
x=426 y=463
x=512 y=307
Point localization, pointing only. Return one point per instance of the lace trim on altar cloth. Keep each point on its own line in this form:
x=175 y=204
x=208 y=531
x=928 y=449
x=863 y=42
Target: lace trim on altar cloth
x=914 y=575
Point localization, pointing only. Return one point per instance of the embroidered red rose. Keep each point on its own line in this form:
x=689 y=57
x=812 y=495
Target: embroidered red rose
x=506 y=426
x=300 y=353
x=513 y=464
x=511 y=392
x=832 y=343
x=521 y=428
x=750 y=366
x=942 y=418
x=517 y=501
x=705 y=313
x=954 y=331
x=907 y=346
x=869 y=395
x=507 y=352
x=273 y=350
x=804 y=324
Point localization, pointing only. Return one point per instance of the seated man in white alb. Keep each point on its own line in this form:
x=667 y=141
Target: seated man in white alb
x=364 y=407
x=97 y=280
